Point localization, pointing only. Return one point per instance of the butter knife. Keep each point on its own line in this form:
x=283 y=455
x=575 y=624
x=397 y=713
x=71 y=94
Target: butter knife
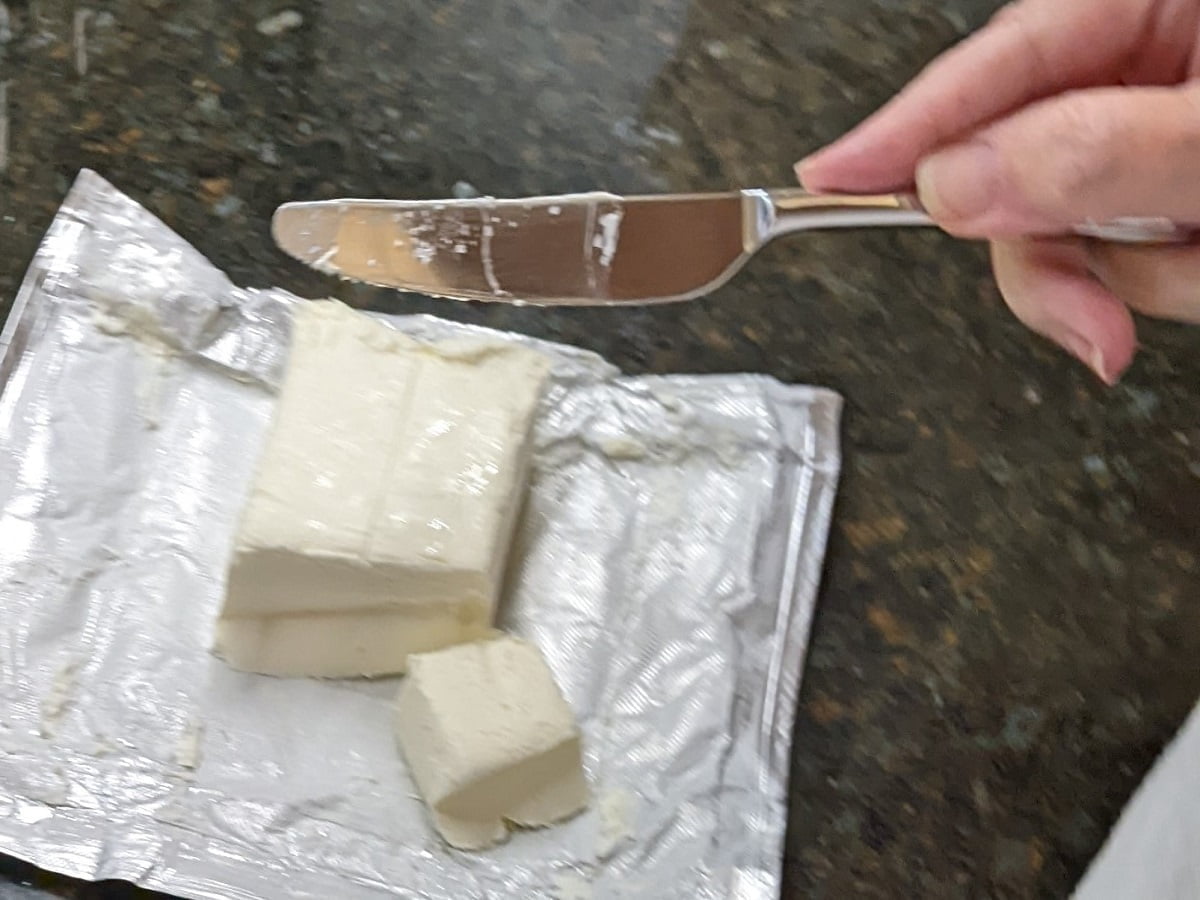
x=590 y=249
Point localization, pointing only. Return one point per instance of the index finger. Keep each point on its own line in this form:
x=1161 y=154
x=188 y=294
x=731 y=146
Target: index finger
x=1030 y=50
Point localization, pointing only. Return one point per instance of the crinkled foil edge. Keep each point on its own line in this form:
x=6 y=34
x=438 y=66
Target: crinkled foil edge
x=810 y=493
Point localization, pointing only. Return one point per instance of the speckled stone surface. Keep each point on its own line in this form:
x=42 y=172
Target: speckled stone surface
x=1008 y=627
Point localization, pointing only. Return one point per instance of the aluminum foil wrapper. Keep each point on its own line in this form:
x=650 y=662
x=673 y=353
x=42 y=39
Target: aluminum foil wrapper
x=667 y=565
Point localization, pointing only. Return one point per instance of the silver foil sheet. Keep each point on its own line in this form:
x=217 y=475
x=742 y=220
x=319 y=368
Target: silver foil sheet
x=667 y=565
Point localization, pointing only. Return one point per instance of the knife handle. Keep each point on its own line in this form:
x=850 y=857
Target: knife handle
x=782 y=211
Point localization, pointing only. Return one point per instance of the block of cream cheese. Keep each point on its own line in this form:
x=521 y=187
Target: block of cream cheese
x=489 y=740
x=381 y=513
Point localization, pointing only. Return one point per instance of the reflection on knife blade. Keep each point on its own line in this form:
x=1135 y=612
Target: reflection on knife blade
x=581 y=248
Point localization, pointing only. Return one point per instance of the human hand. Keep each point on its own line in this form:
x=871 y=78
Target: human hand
x=1059 y=111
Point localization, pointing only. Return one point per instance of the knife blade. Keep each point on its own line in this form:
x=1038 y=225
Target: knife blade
x=582 y=249
x=585 y=249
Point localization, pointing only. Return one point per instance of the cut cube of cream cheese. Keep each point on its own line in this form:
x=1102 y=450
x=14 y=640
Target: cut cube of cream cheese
x=489 y=740
x=381 y=513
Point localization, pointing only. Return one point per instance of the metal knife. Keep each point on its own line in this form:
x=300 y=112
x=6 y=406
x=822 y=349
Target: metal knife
x=589 y=249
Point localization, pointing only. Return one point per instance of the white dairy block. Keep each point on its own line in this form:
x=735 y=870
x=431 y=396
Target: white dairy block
x=381 y=513
x=490 y=740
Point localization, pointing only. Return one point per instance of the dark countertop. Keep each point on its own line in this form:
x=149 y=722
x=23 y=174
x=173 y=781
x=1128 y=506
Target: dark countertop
x=1007 y=631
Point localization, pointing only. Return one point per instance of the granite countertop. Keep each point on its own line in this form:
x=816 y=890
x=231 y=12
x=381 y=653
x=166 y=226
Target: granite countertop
x=1005 y=637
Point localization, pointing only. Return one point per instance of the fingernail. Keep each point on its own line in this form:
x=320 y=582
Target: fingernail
x=801 y=168
x=1105 y=372
x=1089 y=354
x=959 y=184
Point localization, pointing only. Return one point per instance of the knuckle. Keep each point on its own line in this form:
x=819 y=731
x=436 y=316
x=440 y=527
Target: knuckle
x=1021 y=21
x=1011 y=13
x=1187 y=128
x=1076 y=157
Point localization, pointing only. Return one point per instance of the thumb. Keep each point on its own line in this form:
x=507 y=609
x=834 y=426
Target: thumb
x=1084 y=156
